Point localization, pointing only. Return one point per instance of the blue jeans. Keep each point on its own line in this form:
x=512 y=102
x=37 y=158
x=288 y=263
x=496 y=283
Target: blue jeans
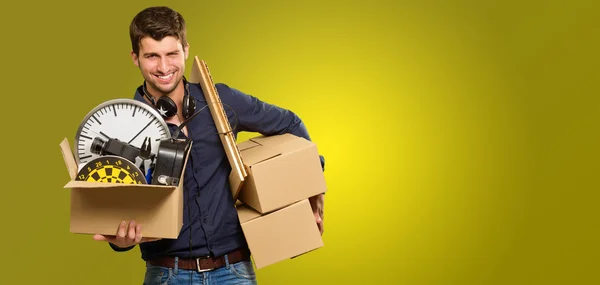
x=236 y=273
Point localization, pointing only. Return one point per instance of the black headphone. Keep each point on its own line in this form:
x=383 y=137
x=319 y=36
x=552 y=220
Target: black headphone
x=167 y=107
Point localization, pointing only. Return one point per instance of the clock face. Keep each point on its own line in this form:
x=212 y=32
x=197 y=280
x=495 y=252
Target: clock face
x=126 y=120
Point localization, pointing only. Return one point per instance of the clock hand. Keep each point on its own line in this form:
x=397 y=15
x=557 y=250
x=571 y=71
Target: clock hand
x=146 y=149
x=140 y=131
x=100 y=134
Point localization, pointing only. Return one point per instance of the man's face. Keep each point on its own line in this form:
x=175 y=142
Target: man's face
x=162 y=63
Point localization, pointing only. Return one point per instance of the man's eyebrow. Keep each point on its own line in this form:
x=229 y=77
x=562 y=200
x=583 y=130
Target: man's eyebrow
x=156 y=54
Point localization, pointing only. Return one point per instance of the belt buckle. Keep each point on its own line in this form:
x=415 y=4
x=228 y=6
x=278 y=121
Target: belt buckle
x=198 y=264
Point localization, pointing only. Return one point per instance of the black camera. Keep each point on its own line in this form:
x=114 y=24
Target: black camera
x=115 y=147
x=165 y=168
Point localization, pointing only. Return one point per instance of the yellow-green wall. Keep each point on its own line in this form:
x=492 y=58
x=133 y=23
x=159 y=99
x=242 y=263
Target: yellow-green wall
x=461 y=137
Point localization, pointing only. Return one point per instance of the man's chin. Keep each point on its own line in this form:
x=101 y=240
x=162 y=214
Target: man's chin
x=164 y=88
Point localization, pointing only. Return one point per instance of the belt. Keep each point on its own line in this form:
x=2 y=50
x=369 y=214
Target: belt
x=202 y=264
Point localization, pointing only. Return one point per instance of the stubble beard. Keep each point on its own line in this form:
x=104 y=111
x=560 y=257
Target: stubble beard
x=161 y=90
x=156 y=87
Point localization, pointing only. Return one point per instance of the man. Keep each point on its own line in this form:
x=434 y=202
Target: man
x=211 y=248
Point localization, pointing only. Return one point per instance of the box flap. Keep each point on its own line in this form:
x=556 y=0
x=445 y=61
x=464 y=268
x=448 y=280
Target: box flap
x=262 y=148
x=254 y=155
x=246 y=213
x=284 y=142
x=69 y=158
x=247 y=144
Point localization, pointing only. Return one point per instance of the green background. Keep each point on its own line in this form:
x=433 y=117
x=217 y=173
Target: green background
x=461 y=137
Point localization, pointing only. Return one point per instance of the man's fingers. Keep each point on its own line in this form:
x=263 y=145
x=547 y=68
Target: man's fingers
x=138 y=233
x=318 y=218
x=131 y=235
x=122 y=230
x=101 y=238
x=319 y=221
x=112 y=239
x=128 y=234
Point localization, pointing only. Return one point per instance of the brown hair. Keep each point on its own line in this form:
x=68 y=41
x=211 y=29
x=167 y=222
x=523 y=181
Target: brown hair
x=156 y=22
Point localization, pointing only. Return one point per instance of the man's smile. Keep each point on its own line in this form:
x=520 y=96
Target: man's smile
x=164 y=78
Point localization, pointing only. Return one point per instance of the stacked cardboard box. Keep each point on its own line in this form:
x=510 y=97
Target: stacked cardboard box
x=276 y=216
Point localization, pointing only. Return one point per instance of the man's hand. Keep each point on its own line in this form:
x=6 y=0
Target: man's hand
x=127 y=235
x=317 y=203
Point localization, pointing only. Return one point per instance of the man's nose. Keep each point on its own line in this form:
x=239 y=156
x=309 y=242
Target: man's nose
x=163 y=65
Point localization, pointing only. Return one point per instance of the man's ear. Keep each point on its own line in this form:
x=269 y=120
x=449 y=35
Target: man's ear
x=135 y=58
x=186 y=50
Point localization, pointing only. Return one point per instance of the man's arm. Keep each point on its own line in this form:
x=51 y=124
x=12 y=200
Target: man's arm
x=254 y=115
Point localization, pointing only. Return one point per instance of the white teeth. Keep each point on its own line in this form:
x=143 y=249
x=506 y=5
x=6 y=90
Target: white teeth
x=165 y=77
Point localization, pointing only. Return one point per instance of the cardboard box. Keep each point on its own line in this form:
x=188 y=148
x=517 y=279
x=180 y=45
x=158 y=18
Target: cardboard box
x=282 y=170
x=98 y=208
x=280 y=235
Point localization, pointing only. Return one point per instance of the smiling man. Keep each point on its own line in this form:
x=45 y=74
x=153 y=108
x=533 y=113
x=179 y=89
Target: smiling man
x=211 y=248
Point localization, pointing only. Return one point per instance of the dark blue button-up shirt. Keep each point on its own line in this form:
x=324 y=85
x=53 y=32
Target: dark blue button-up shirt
x=211 y=224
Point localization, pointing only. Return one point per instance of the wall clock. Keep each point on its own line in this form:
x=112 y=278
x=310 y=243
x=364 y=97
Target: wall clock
x=129 y=121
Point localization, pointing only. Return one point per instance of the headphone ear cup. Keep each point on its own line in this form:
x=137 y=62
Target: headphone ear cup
x=189 y=106
x=166 y=107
